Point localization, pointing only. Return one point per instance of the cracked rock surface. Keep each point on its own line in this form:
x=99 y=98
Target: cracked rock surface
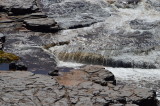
x=27 y=89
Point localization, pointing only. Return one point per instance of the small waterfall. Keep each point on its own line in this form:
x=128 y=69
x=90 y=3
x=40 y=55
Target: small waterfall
x=53 y=55
x=82 y=57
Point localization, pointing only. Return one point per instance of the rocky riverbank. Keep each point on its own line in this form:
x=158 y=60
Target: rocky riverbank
x=88 y=86
x=105 y=32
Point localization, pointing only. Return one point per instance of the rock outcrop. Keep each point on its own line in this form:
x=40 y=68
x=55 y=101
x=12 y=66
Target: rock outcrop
x=28 y=89
x=18 y=7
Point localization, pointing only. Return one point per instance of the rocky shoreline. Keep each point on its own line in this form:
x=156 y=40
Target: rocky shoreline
x=88 y=86
x=39 y=32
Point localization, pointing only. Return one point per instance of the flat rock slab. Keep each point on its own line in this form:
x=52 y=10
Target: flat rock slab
x=28 y=89
x=42 y=24
x=18 y=7
x=96 y=74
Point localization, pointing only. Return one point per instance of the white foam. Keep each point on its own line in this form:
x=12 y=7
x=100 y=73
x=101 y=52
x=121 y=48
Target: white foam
x=69 y=64
x=136 y=74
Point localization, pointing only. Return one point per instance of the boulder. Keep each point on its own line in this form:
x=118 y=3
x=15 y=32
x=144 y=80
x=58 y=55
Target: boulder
x=42 y=25
x=100 y=75
x=55 y=72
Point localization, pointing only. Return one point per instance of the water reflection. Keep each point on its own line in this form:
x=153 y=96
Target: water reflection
x=4 y=66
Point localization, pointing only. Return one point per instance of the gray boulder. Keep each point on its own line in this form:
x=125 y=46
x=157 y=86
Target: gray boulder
x=18 y=7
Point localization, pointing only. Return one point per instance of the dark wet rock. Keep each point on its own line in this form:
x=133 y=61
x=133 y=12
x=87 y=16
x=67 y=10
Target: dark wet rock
x=42 y=25
x=18 y=7
x=55 y=72
x=12 y=66
x=128 y=1
x=29 y=46
x=2 y=40
x=21 y=67
x=145 y=98
x=17 y=66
